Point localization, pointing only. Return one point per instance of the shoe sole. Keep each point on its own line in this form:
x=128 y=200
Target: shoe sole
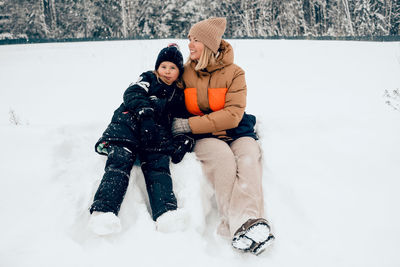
x=258 y=233
x=263 y=246
x=242 y=243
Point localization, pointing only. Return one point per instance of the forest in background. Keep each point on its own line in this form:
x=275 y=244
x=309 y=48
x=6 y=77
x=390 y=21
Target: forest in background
x=150 y=19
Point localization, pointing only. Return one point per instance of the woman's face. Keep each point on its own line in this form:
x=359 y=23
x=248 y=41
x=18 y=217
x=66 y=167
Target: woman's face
x=195 y=48
x=168 y=72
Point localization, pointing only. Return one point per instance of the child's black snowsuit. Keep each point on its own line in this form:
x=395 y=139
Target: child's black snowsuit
x=148 y=99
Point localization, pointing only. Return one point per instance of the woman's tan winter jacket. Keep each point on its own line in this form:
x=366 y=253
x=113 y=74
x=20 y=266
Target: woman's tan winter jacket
x=215 y=95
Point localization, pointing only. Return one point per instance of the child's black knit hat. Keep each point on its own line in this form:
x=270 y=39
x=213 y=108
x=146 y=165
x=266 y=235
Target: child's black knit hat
x=172 y=54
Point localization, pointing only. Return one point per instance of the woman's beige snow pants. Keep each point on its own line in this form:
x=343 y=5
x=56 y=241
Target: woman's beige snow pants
x=235 y=172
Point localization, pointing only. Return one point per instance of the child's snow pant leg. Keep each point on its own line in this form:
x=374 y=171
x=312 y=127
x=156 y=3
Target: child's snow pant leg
x=112 y=188
x=235 y=172
x=159 y=186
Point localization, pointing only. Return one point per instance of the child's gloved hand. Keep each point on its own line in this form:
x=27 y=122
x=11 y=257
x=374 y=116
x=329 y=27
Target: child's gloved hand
x=181 y=145
x=158 y=104
x=149 y=134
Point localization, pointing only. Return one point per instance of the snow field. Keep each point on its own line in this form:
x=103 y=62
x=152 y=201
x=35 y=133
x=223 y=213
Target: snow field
x=330 y=145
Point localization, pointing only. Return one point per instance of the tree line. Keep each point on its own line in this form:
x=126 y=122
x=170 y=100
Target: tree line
x=51 y=19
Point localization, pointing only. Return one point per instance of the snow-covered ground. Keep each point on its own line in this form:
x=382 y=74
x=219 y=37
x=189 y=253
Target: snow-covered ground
x=331 y=151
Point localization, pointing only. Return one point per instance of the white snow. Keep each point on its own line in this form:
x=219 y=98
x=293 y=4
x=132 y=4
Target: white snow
x=104 y=223
x=172 y=221
x=331 y=149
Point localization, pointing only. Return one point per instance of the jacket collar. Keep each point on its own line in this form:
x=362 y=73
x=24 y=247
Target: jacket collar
x=224 y=58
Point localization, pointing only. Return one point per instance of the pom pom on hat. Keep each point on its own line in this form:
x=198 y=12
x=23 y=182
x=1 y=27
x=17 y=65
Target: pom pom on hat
x=172 y=54
x=209 y=32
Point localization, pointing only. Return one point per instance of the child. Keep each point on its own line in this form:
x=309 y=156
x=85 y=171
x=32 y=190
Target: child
x=140 y=128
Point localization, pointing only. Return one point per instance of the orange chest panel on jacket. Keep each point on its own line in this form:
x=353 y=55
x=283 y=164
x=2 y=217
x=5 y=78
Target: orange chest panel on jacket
x=216 y=99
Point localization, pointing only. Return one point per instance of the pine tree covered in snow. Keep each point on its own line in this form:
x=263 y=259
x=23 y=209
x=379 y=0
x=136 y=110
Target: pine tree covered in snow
x=394 y=17
x=362 y=17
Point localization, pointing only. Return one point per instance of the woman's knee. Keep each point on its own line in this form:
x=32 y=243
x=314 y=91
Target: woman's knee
x=246 y=150
x=213 y=149
x=217 y=159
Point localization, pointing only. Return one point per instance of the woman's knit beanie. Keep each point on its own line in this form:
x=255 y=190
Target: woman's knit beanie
x=172 y=54
x=209 y=32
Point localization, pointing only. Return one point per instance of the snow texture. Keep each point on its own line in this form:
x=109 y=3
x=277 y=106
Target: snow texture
x=104 y=223
x=172 y=221
x=330 y=150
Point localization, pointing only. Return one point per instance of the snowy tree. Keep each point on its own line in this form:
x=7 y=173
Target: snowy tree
x=289 y=18
x=336 y=19
x=363 y=18
x=72 y=19
x=394 y=17
x=49 y=13
x=27 y=17
x=107 y=19
x=4 y=18
x=380 y=17
x=349 y=24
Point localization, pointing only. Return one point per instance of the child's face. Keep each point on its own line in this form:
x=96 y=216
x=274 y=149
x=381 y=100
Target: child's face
x=168 y=72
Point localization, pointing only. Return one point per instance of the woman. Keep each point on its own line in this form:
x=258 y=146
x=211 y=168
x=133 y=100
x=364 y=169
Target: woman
x=215 y=95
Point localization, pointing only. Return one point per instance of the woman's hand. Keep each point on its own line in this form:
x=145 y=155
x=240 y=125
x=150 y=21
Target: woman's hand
x=180 y=126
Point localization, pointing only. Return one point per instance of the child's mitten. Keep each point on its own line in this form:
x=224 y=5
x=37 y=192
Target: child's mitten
x=181 y=145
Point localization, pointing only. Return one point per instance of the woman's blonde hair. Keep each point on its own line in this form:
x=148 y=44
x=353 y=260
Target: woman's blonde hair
x=207 y=58
x=179 y=81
